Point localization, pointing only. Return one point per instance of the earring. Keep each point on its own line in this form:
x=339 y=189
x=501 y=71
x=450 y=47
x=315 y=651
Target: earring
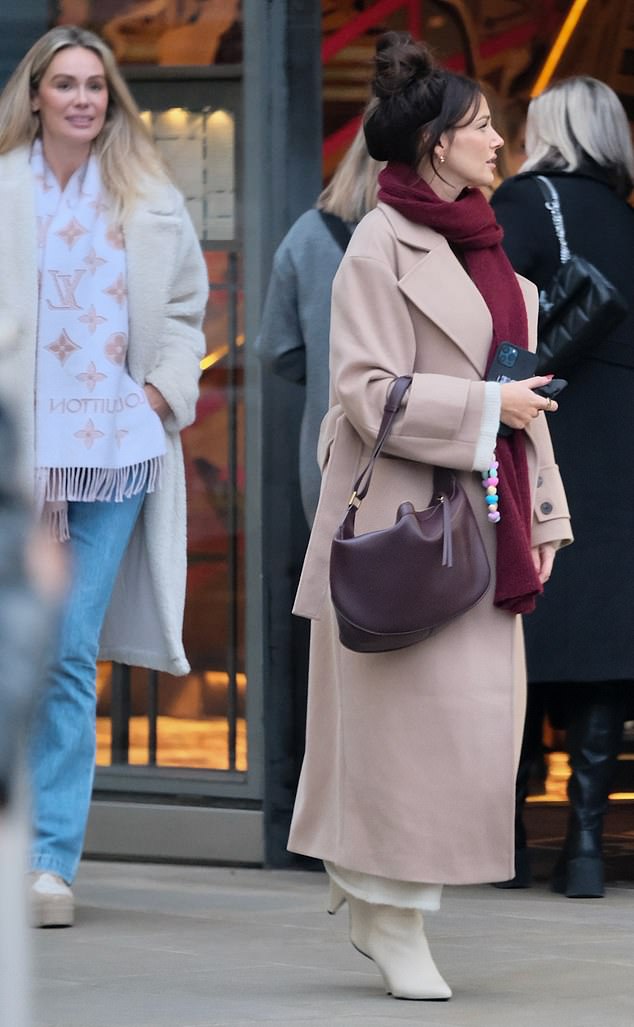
x=442 y=158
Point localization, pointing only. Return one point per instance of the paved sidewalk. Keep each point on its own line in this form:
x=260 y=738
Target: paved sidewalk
x=170 y=946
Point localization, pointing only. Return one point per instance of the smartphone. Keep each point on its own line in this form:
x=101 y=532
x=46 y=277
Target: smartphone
x=552 y=389
x=512 y=364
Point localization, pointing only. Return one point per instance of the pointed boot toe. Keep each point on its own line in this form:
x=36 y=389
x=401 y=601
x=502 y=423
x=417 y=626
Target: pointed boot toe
x=395 y=940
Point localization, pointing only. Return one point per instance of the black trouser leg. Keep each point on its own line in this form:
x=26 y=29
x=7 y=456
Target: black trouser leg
x=594 y=730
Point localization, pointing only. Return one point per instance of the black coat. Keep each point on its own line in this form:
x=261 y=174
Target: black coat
x=583 y=628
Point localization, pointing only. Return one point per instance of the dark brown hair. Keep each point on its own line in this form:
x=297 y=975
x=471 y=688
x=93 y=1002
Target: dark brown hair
x=415 y=101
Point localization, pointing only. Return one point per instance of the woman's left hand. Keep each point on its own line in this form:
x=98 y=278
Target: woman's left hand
x=157 y=401
x=543 y=559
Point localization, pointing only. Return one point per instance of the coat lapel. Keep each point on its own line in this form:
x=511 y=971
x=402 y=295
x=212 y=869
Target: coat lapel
x=432 y=286
x=432 y=282
x=151 y=243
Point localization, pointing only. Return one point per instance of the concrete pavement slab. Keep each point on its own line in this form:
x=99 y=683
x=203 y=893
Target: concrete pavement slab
x=175 y=946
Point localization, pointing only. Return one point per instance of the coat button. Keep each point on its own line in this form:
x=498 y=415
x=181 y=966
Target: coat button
x=546 y=508
x=540 y=482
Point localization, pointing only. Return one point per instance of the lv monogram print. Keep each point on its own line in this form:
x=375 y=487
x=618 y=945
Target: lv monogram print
x=96 y=435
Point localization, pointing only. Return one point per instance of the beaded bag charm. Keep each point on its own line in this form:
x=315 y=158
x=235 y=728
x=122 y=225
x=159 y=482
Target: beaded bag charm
x=490 y=482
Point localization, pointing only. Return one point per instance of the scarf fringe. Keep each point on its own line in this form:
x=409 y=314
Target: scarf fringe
x=102 y=484
x=56 y=487
x=55 y=519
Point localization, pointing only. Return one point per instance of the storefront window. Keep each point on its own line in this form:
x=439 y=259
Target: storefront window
x=199 y=721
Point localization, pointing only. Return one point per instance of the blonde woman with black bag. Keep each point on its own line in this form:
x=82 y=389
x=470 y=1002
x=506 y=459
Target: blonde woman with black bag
x=580 y=647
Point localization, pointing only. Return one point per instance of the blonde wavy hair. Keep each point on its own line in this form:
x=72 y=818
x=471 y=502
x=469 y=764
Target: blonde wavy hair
x=126 y=152
x=352 y=190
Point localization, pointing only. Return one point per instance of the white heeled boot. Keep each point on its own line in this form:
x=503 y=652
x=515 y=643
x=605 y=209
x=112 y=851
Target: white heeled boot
x=395 y=940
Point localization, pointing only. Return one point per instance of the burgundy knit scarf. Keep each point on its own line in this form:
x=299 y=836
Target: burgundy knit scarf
x=469 y=225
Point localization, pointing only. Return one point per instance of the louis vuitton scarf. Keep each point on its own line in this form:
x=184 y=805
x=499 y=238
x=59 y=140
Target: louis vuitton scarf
x=97 y=438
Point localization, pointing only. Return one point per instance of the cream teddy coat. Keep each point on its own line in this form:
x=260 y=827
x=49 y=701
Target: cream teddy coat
x=167 y=292
x=409 y=770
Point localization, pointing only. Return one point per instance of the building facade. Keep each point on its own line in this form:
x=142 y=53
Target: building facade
x=204 y=768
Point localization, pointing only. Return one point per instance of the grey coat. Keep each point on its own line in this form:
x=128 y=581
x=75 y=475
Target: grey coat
x=167 y=292
x=293 y=339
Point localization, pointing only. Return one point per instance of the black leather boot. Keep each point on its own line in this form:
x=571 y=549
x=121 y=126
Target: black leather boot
x=595 y=728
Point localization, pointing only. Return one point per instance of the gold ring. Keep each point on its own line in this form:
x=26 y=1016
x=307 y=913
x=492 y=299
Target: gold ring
x=549 y=403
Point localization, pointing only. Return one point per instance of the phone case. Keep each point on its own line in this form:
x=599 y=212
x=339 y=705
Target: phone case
x=512 y=363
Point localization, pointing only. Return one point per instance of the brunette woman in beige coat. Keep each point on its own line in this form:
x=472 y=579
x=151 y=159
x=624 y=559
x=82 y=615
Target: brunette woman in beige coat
x=102 y=272
x=408 y=777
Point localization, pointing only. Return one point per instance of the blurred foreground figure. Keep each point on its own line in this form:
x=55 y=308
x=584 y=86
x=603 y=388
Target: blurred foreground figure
x=31 y=577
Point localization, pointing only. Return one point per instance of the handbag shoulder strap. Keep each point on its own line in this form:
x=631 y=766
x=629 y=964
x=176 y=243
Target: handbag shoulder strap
x=338 y=228
x=443 y=477
x=392 y=403
x=552 y=205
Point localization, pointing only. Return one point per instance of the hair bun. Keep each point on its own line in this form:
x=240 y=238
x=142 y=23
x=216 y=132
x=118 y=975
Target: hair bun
x=399 y=61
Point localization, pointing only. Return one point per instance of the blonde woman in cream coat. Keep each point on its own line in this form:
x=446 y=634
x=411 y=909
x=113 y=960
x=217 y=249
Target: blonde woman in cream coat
x=408 y=778
x=56 y=97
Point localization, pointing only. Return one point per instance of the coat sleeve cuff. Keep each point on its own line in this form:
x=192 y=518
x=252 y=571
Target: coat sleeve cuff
x=551 y=520
x=489 y=425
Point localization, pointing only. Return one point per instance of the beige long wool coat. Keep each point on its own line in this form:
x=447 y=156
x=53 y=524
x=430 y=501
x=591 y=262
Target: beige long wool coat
x=167 y=292
x=410 y=756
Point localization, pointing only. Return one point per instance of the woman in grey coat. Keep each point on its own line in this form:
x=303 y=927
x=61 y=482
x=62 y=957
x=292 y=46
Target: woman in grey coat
x=293 y=339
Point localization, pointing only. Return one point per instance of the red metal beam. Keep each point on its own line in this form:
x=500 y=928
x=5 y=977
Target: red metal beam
x=360 y=24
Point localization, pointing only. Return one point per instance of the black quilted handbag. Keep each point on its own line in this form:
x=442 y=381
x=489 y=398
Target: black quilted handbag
x=579 y=308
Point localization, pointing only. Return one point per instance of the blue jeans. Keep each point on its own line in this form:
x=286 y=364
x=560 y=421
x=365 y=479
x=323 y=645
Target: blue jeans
x=62 y=745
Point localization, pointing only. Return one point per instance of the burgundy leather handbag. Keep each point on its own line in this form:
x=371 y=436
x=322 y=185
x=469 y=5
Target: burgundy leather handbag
x=393 y=588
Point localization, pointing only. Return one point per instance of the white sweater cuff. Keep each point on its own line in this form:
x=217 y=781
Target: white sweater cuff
x=489 y=426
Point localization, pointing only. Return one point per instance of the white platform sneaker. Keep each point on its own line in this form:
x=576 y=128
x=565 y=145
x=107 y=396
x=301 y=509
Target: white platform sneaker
x=51 y=900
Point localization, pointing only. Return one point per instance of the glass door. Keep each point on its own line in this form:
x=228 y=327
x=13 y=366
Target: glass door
x=193 y=738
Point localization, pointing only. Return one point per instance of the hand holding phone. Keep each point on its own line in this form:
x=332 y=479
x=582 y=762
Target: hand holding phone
x=513 y=364
x=520 y=403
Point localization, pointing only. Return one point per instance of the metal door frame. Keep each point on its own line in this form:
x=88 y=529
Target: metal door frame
x=180 y=813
